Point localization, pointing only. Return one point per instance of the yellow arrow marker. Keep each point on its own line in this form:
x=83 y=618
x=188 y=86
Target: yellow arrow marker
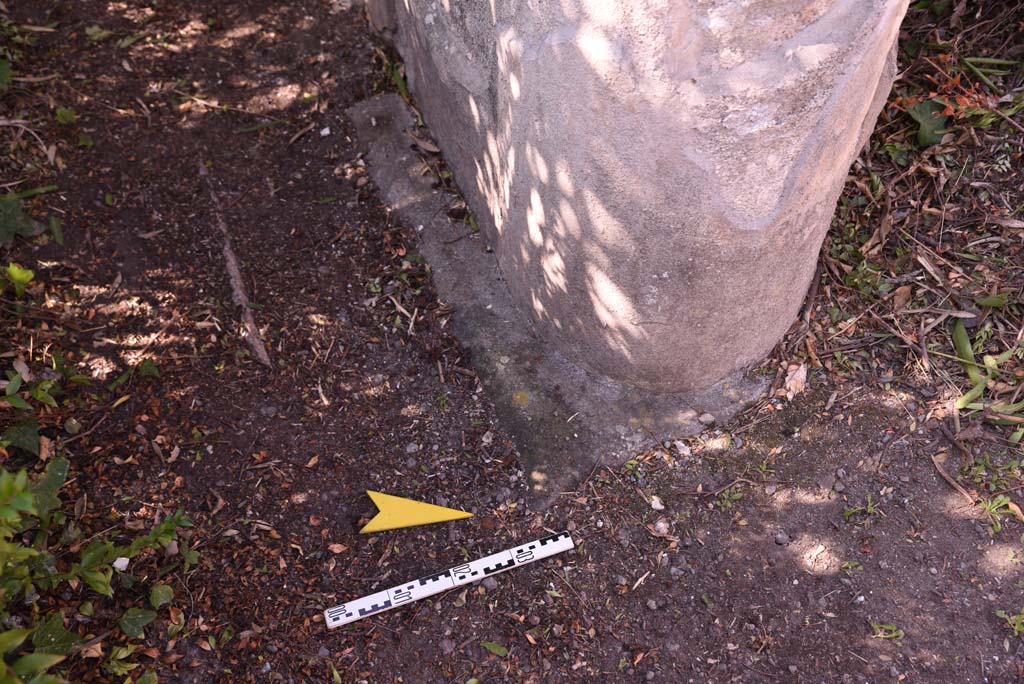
x=396 y=512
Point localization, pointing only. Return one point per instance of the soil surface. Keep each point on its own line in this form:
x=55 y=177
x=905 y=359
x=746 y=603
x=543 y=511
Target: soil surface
x=816 y=539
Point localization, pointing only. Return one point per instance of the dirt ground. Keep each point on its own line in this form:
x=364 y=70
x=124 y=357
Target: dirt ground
x=819 y=538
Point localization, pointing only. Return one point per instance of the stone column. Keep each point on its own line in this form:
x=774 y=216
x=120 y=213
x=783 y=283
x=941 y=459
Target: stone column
x=656 y=176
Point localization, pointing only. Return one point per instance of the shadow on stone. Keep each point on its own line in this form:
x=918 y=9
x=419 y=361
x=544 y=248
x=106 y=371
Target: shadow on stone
x=563 y=419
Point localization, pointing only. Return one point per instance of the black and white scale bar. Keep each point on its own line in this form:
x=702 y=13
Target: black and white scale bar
x=449 y=579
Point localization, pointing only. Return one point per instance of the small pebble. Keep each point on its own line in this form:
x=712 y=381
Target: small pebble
x=771 y=489
x=706 y=419
x=792 y=669
x=447 y=646
x=412 y=448
x=324 y=652
x=933 y=571
x=649 y=676
x=652 y=604
x=682 y=448
x=661 y=527
x=490 y=584
x=781 y=538
x=657 y=504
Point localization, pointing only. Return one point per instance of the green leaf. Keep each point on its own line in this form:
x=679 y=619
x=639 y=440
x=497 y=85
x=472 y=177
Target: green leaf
x=24 y=435
x=34 y=192
x=133 y=621
x=191 y=558
x=147 y=677
x=108 y=199
x=160 y=595
x=51 y=637
x=66 y=116
x=17 y=402
x=19 y=277
x=121 y=379
x=5 y=73
x=116 y=664
x=57 y=230
x=993 y=302
x=13 y=221
x=962 y=344
x=85 y=140
x=34 y=663
x=496 y=649
x=12 y=639
x=335 y=676
x=972 y=394
x=45 y=488
x=41 y=394
x=99 y=580
x=97 y=34
x=931 y=125
x=97 y=554
x=148 y=369
x=128 y=41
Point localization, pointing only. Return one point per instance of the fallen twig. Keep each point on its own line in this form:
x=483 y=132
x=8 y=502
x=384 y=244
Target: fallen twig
x=235 y=276
x=952 y=482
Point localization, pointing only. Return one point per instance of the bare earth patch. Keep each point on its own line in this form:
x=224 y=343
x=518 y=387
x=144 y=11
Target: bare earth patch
x=818 y=538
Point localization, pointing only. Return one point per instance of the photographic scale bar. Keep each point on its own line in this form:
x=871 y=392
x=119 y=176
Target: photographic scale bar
x=449 y=579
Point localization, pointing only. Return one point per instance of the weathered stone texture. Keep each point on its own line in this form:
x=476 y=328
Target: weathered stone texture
x=656 y=176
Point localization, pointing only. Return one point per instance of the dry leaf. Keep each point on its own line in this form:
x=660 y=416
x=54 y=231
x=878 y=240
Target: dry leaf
x=901 y=297
x=337 y=548
x=45 y=448
x=92 y=650
x=1015 y=510
x=312 y=462
x=23 y=370
x=796 y=380
x=423 y=144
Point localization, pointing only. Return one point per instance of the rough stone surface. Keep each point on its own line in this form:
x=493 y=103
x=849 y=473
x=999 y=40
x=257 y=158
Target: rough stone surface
x=656 y=176
x=563 y=419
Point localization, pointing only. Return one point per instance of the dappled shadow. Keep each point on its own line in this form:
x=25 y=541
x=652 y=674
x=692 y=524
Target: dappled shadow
x=668 y=236
x=271 y=465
